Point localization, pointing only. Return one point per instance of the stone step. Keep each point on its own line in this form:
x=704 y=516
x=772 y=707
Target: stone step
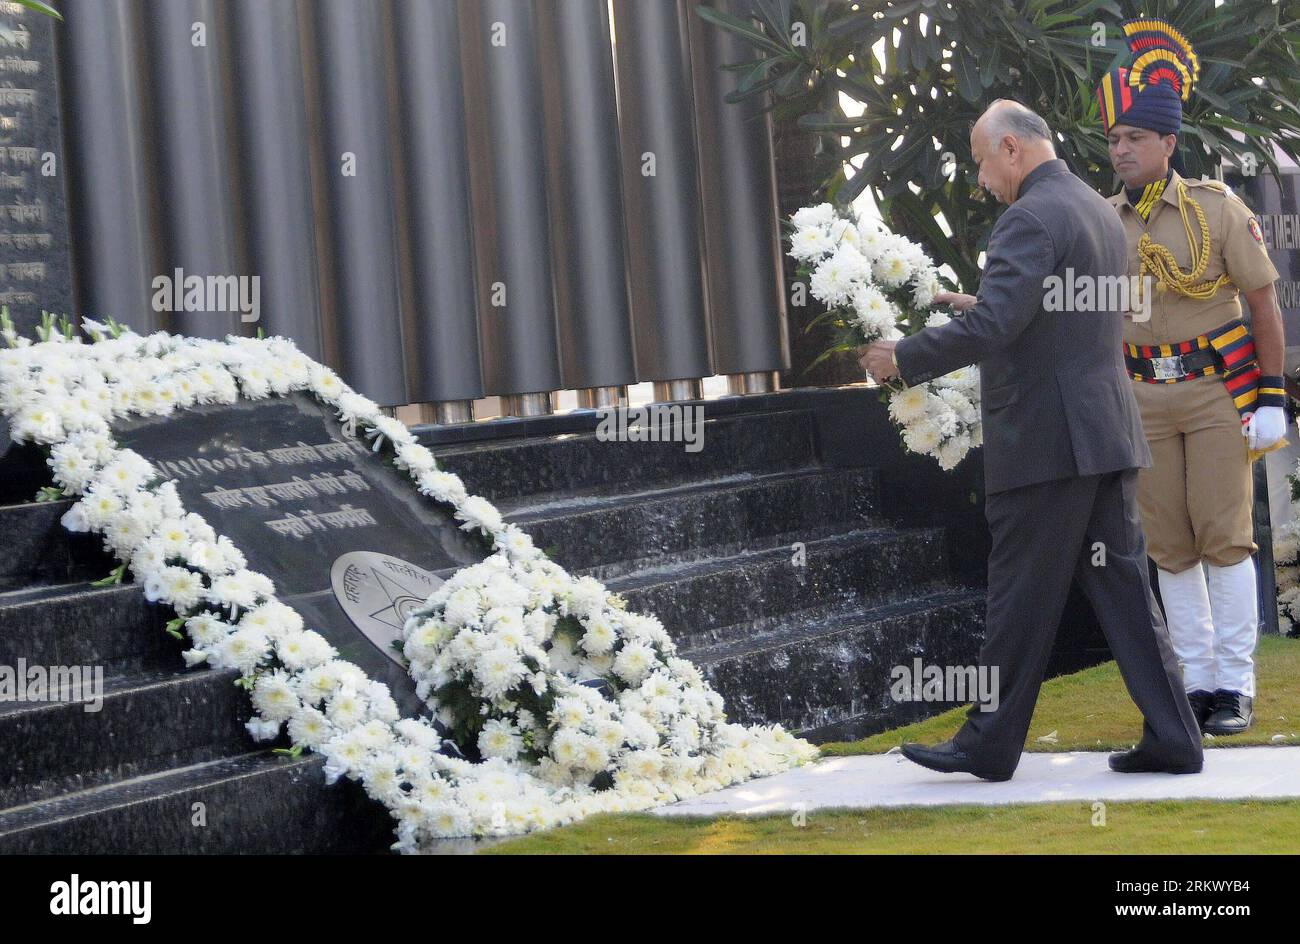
x=146 y=723
x=823 y=668
x=707 y=601
x=581 y=461
x=23 y=469
x=38 y=549
x=607 y=535
x=78 y=624
x=252 y=803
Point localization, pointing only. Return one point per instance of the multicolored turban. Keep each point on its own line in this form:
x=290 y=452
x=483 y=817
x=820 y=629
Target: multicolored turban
x=1150 y=92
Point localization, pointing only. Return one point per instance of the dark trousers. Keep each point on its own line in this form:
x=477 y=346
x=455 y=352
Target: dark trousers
x=1044 y=536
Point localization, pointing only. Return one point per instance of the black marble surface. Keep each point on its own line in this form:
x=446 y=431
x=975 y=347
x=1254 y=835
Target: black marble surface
x=230 y=466
x=35 y=268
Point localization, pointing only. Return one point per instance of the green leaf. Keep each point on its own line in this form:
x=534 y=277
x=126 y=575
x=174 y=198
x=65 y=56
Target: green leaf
x=967 y=75
x=743 y=28
x=989 y=66
x=41 y=7
x=114 y=577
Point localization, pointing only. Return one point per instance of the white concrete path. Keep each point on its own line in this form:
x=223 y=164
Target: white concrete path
x=893 y=780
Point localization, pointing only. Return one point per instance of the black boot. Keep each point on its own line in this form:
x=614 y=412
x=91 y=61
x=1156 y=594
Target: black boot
x=1233 y=713
x=1202 y=703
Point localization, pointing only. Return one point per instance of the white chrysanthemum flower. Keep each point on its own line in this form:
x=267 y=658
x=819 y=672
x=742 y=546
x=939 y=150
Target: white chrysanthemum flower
x=101 y=504
x=925 y=286
x=310 y=728
x=207 y=629
x=891 y=268
x=242 y=650
x=72 y=468
x=953 y=451
x=922 y=436
x=498 y=671
x=443 y=486
x=274 y=698
x=908 y=405
x=634 y=661
x=836 y=277
x=843 y=232
x=478 y=512
x=820 y=215
x=74 y=519
x=600 y=635
x=961 y=405
x=811 y=242
x=180 y=587
x=500 y=739
x=263 y=729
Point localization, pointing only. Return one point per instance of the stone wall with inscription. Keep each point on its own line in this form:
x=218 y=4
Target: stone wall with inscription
x=35 y=272
x=1277 y=207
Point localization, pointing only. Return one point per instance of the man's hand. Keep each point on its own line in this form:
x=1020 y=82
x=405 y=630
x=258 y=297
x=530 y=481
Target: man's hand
x=877 y=359
x=1266 y=426
x=955 y=300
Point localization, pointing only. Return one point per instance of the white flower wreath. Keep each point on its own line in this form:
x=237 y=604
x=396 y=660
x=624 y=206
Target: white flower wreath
x=576 y=705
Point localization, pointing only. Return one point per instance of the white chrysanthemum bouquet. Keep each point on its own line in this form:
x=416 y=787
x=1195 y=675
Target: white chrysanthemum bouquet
x=877 y=285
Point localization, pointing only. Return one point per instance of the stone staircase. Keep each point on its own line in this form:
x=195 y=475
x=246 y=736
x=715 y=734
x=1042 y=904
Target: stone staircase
x=780 y=577
x=778 y=574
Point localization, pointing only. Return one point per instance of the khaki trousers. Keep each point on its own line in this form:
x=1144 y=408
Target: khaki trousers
x=1196 y=499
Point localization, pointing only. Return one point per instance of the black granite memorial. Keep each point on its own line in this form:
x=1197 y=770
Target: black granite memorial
x=350 y=543
x=35 y=272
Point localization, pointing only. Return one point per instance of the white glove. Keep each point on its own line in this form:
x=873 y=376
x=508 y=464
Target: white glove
x=1266 y=426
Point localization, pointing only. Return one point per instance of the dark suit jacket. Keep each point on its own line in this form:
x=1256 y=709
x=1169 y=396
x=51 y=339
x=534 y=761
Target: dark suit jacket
x=1055 y=399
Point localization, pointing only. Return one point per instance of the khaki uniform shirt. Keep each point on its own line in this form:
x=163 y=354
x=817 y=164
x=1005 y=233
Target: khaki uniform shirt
x=1236 y=247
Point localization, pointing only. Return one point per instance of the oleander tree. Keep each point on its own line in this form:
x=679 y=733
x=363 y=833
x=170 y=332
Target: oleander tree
x=892 y=88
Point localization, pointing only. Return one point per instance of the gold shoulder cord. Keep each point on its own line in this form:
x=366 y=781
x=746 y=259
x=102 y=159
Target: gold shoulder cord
x=1159 y=260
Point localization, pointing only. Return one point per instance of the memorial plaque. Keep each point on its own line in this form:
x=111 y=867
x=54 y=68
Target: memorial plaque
x=302 y=499
x=35 y=272
x=378 y=592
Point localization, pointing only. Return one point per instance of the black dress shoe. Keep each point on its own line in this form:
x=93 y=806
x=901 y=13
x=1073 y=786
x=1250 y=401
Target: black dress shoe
x=949 y=759
x=1233 y=713
x=1140 y=761
x=1202 y=703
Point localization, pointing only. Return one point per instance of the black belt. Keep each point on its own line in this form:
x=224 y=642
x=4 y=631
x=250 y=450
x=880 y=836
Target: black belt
x=1174 y=367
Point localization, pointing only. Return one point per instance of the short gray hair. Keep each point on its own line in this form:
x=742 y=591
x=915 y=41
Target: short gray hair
x=1015 y=119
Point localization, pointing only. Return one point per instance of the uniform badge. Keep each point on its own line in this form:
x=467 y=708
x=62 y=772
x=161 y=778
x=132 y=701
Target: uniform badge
x=1253 y=225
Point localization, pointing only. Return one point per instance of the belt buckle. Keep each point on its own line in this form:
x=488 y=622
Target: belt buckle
x=1168 y=368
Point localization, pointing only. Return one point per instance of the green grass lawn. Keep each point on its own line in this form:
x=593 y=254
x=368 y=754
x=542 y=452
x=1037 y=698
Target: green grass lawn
x=1209 y=826
x=1089 y=710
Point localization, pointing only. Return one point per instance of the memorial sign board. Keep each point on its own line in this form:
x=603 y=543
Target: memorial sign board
x=349 y=542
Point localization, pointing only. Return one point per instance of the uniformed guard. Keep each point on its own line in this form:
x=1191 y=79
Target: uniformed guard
x=1209 y=387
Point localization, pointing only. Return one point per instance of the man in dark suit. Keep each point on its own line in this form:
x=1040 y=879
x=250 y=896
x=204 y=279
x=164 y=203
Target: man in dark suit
x=1063 y=441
